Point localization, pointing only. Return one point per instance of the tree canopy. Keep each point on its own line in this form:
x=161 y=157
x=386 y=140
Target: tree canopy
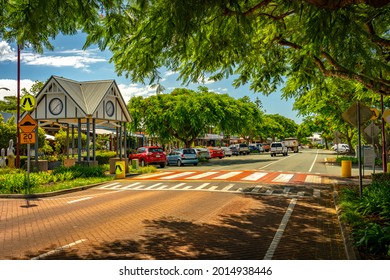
x=260 y=41
x=186 y=114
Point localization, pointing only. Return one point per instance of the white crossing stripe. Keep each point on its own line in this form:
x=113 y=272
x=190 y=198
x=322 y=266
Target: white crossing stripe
x=283 y=178
x=254 y=176
x=317 y=193
x=152 y=186
x=256 y=189
x=202 y=175
x=212 y=188
x=228 y=187
x=146 y=176
x=187 y=187
x=228 y=175
x=138 y=187
x=313 y=179
x=131 y=185
x=286 y=190
x=202 y=186
x=174 y=176
x=162 y=187
x=177 y=186
x=108 y=186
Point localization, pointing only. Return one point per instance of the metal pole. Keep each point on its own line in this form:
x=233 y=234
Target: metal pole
x=359 y=151
x=18 y=114
x=384 y=156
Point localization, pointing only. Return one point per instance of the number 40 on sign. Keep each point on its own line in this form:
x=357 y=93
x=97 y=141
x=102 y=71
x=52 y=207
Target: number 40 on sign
x=27 y=138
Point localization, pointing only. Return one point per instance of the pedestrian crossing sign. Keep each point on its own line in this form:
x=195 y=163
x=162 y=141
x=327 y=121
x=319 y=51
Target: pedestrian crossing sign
x=27 y=102
x=120 y=171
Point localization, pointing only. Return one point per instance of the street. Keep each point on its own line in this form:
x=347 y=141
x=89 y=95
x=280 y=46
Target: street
x=207 y=213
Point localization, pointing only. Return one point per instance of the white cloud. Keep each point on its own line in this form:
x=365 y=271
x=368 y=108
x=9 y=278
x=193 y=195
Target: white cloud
x=6 y=52
x=79 y=60
x=13 y=85
x=129 y=91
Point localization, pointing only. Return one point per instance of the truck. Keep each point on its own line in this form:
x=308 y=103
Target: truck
x=278 y=148
x=292 y=144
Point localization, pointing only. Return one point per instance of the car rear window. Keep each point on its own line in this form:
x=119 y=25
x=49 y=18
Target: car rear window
x=156 y=150
x=189 y=151
x=276 y=145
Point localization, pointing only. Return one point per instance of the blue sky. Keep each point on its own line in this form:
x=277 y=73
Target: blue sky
x=70 y=61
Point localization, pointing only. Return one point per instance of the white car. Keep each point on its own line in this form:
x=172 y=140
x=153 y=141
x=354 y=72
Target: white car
x=227 y=151
x=341 y=148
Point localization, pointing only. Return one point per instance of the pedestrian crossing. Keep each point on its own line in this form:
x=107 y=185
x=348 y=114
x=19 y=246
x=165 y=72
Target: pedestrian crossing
x=243 y=188
x=243 y=176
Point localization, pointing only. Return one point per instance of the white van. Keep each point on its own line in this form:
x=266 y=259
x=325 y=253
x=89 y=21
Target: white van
x=341 y=148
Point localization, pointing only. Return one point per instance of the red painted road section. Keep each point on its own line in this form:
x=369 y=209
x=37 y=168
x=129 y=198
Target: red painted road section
x=241 y=176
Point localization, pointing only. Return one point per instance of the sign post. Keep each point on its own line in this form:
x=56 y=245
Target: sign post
x=27 y=126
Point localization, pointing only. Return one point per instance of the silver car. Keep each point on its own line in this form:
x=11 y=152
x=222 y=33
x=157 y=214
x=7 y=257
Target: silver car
x=202 y=153
x=180 y=157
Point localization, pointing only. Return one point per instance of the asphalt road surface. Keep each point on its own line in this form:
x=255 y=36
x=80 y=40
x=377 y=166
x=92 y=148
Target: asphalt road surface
x=204 y=217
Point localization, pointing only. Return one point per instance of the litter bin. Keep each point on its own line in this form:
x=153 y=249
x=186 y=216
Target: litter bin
x=346 y=168
x=120 y=170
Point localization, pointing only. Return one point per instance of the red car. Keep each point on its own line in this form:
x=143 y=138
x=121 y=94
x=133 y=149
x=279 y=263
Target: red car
x=150 y=155
x=216 y=152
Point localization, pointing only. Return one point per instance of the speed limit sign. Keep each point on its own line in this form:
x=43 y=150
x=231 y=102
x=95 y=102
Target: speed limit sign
x=27 y=138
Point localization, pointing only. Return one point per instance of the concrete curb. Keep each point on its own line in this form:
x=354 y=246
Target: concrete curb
x=350 y=250
x=55 y=193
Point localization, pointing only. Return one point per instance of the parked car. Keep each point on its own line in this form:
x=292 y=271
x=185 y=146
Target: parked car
x=266 y=147
x=234 y=150
x=253 y=148
x=242 y=148
x=341 y=148
x=180 y=157
x=260 y=147
x=227 y=151
x=216 y=152
x=278 y=148
x=150 y=155
x=202 y=153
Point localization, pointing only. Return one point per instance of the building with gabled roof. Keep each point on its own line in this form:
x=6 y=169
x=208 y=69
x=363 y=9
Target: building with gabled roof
x=85 y=106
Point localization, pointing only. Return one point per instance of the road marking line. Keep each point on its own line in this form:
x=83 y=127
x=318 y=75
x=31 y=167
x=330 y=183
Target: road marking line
x=131 y=185
x=286 y=190
x=138 y=187
x=301 y=194
x=187 y=187
x=109 y=185
x=256 y=189
x=177 y=175
x=212 y=188
x=78 y=200
x=55 y=251
x=177 y=186
x=202 y=186
x=255 y=176
x=152 y=186
x=315 y=159
x=283 y=178
x=227 y=175
x=162 y=187
x=228 y=187
x=202 y=175
x=265 y=166
x=278 y=235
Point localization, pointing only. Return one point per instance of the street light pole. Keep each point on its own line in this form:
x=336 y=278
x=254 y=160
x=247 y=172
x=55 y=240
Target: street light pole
x=18 y=115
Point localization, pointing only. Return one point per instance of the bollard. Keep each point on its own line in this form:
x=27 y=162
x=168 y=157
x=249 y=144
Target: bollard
x=388 y=167
x=135 y=164
x=120 y=170
x=346 y=168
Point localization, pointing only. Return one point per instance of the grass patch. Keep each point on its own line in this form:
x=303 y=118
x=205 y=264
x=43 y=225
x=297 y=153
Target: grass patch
x=143 y=170
x=79 y=182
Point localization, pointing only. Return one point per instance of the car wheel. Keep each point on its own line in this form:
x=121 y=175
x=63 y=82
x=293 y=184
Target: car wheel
x=195 y=164
x=179 y=163
x=162 y=165
x=142 y=163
